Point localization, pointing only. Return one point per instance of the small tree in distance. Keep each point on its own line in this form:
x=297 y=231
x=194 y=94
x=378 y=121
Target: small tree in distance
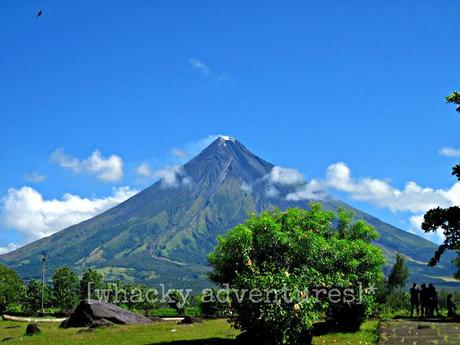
x=90 y=281
x=399 y=274
x=175 y=301
x=33 y=296
x=65 y=288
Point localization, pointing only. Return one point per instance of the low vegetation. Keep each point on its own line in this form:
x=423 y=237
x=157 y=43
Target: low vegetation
x=163 y=333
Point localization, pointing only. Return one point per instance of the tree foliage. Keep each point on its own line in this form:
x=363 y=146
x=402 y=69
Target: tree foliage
x=446 y=219
x=399 y=273
x=65 y=288
x=90 y=281
x=11 y=288
x=176 y=302
x=454 y=98
x=294 y=251
x=33 y=296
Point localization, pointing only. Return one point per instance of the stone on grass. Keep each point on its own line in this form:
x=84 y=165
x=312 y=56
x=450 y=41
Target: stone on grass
x=89 y=312
x=64 y=324
x=32 y=329
x=187 y=320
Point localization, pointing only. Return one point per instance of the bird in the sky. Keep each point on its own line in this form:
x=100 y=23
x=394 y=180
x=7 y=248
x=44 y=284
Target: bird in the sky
x=39 y=13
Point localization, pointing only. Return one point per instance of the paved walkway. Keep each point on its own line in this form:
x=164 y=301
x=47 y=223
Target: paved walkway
x=396 y=332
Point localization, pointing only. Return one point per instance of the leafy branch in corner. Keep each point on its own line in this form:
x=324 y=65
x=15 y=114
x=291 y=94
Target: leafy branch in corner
x=446 y=219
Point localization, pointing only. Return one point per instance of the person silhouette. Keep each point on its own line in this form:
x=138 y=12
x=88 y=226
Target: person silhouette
x=451 y=308
x=414 y=300
x=423 y=301
x=433 y=300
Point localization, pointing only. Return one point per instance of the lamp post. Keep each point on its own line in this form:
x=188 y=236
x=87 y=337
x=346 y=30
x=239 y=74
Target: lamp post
x=43 y=258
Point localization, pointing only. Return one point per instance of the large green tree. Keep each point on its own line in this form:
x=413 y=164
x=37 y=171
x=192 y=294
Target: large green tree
x=11 y=288
x=291 y=254
x=446 y=219
x=65 y=288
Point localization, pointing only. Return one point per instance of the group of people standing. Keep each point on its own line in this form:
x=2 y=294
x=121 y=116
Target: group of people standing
x=424 y=300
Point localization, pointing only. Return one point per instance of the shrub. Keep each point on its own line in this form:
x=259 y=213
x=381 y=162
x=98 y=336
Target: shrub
x=11 y=289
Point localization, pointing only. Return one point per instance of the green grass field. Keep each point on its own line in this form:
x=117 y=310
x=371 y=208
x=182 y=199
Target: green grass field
x=368 y=335
x=160 y=333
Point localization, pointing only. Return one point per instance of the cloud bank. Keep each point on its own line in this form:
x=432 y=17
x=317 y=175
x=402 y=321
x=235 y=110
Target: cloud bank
x=9 y=248
x=413 y=198
x=108 y=169
x=26 y=211
x=171 y=176
x=285 y=176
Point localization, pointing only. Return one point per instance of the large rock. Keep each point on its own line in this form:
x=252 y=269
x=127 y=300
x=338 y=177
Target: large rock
x=91 y=312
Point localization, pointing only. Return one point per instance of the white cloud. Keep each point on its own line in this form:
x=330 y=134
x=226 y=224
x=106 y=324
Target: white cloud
x=200 y=66
x=179 y=153
x=412 y=198
x=416 y=228
x=312 y=190
x=171 y=176
x=144 y=170
x=271 y=191
x=106 y=169
x=449 y=152
x=291 y=177
x=34 y=177
x=285 y=176
x=245 y=187
x=9 y=248
x=26 y=211
x=205 y=71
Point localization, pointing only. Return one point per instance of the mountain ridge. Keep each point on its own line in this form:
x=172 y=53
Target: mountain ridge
x=164 y=233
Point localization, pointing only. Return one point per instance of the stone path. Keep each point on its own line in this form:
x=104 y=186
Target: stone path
x=396 y=332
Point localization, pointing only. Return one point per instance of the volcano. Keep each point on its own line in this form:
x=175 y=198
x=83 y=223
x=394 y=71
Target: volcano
x=163 y=234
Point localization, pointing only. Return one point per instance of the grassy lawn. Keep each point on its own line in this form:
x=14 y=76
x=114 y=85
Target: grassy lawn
x=156 y=333
x=160 y=333
x=368 y=335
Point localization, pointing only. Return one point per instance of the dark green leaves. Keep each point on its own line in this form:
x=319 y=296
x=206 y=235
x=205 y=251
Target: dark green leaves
x=454 y=98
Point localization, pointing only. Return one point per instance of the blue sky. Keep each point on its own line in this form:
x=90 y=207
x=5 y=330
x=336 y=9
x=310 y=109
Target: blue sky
x=302 y=84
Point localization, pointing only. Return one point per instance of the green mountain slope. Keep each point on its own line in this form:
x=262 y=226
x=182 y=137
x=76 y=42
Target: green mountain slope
x=163 y=234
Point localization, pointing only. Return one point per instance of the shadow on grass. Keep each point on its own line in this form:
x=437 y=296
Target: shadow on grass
x=323 y=328
x=212 y=341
